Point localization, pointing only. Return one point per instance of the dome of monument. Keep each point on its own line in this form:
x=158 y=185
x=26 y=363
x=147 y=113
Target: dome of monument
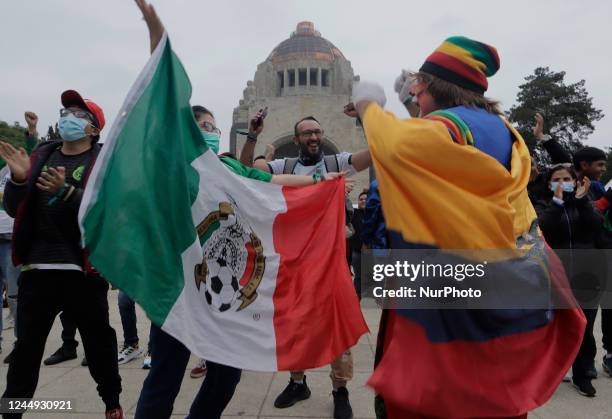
x=305 y=43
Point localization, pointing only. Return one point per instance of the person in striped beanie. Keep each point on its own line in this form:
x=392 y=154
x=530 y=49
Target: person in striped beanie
x=454 y=74
x=455 y=177
x=463 y=62
x=450 y=87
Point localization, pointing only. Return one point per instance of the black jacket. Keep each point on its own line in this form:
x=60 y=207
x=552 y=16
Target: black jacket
x=19 y=200
x=572 y=230
x=574 y=225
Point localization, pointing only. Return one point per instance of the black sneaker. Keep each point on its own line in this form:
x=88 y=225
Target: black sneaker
x=60 y=355
x=342 y=407
x=607 y=365
x=292 y=394
x=84 y=362
x=584 y=386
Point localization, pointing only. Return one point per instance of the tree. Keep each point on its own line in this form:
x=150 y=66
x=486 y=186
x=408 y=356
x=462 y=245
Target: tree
x=568 y=110
x=14 y=135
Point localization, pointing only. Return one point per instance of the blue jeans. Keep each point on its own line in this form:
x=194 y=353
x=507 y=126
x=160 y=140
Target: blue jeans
x=127 y=312
x=9 y=275
x=169 y=359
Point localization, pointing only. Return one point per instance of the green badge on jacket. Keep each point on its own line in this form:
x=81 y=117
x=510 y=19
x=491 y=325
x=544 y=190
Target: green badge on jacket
x=78 y=173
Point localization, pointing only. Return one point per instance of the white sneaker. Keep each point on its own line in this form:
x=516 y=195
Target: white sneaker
x=146 y=364
x=128 y=353
x=9 y=322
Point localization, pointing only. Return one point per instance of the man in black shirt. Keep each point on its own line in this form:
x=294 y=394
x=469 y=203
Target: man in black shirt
x=44 y=195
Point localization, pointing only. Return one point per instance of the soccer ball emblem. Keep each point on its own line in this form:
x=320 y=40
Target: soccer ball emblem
x=222 y=285
x=233 y=262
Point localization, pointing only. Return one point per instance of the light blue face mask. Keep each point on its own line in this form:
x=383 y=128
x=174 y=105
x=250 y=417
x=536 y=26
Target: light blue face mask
x=566 y=186
x=212 y=140
x=72 y=128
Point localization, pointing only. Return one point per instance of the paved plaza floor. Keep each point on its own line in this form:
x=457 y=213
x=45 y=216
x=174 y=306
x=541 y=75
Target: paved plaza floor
x=256 y=392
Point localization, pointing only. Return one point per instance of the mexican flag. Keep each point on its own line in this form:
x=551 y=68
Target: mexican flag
x=243 y=272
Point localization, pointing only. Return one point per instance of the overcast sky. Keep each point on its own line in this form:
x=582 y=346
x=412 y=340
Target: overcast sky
x=99 y=47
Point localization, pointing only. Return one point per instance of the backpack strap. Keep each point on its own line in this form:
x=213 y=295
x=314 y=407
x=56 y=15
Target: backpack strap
x=290 y=164
x=331 y=163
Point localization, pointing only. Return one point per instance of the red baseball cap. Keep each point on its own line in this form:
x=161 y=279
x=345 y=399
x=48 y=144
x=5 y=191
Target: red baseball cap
x=73 y=98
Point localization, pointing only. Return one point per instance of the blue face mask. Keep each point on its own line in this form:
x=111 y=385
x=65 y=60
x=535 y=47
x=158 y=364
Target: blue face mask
x=212 y=140
x=72 y=128
x=566 y=186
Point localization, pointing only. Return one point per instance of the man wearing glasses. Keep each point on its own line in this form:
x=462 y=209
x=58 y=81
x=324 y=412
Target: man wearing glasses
x=308 y=135
x=44 y=195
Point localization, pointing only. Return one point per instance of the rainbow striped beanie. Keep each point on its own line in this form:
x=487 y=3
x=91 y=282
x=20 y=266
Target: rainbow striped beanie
x=464 y=62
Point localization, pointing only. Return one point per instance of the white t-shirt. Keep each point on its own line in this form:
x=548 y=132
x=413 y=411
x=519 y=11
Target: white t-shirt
x=277 y=166
x=6 y=222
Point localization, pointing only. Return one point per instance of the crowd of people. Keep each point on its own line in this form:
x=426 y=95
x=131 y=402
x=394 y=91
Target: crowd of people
x=49 y=272
x=572 y=206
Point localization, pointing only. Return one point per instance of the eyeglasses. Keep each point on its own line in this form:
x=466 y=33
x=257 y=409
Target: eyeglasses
x=208 y=127
x=308 y=133
x=79 y=113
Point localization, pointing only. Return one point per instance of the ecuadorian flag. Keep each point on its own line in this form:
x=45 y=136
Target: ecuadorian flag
x=443 y=186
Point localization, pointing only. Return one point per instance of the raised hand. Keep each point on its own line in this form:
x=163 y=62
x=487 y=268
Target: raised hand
x=538 y=129
x=32 y=120
x=256 y=124
x=17 y=161
x=52 y=180
x=349 y=110
x=156 y=27
x=582 y=187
